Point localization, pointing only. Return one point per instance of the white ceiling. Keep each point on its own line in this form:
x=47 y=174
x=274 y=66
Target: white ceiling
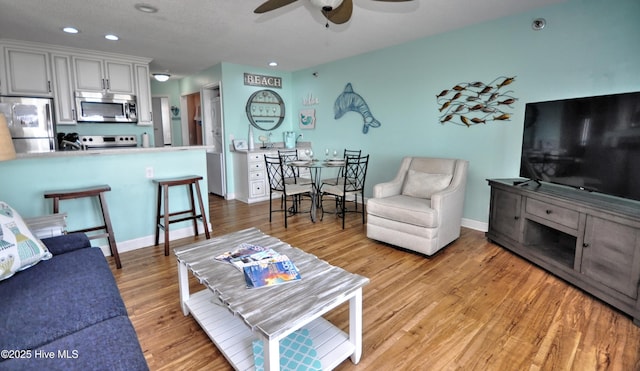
x=188 y=36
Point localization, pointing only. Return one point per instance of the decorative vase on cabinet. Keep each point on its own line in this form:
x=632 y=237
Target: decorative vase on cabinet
x=250 y=142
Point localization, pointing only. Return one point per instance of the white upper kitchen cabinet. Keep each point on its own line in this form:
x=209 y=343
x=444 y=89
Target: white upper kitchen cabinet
x=52 y=71
x=143 y=92
x=27 y=72
x=65 y=109
x=103 y=75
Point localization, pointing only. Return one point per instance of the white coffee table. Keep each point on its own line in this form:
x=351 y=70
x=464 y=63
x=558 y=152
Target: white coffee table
x=234 y=316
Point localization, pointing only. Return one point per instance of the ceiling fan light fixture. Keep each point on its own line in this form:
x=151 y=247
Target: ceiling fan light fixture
x=326 y=5
x=162 y=77
x=146 y=8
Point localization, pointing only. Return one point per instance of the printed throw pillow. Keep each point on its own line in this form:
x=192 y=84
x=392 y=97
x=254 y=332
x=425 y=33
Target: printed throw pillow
x=19 y=249
x=424 y=185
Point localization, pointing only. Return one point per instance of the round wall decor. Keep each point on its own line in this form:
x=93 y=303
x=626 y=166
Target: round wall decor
x=265 y=110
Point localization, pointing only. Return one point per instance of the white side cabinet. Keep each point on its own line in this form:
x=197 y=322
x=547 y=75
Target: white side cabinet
x=250 y=179
x=143 y=93
x=251 y=176
x=103 y=75
x=27 y=72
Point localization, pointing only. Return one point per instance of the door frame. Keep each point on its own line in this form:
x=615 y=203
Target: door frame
x=166 y=118
x=204 y=105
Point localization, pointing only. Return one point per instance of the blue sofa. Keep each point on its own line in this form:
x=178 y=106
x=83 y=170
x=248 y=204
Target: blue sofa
x=66 y=313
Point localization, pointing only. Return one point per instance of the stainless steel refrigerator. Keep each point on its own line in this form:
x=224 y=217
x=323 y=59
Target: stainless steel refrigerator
x=30 y=122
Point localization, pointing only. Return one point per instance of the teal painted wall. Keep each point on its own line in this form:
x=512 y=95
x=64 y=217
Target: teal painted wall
x=235 y=94
x=589 y=47
x=193 y=84
x=234 y=98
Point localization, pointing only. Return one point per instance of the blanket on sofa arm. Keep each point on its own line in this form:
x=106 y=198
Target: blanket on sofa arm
x=66 y=313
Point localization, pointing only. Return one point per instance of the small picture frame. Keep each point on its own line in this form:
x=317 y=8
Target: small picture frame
x=307 y=119
x=240 y=145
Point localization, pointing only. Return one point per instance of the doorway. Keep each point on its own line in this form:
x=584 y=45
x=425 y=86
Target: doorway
x=161 y=122
x=212 y=133
x=192 y=120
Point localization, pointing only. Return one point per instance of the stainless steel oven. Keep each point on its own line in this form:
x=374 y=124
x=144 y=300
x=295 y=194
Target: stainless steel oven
x=90 y=142
x=102 y=107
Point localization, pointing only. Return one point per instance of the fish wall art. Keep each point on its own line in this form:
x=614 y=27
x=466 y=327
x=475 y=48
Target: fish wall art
x=307 y=119
x=476 y=102
x=351 y=101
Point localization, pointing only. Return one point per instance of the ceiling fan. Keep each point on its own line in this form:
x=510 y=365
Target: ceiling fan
x=335 y=11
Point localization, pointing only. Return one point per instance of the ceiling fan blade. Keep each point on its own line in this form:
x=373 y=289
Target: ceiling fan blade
x=270 y=5
x=341 y=14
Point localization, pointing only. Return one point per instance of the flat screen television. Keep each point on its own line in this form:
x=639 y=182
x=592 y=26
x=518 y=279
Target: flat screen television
x=590 y=143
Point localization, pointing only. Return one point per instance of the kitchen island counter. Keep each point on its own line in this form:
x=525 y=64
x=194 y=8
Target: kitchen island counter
x=113 y=151
x=128 y=171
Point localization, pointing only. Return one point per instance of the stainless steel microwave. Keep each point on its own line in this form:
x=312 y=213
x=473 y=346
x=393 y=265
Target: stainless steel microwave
x=104 y=107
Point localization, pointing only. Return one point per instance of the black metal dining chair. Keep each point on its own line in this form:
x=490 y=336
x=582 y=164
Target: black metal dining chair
x=336 y=180
x=279 y=188
x=349 y=188
x=291 y=173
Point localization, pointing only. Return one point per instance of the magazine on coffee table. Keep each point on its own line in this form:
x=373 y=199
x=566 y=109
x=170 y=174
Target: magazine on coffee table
x=270 y=272
x=247 y=253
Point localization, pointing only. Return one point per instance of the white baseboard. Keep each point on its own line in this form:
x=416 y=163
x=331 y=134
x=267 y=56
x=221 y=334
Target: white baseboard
x=138 y=243
x=175 y=234
x=474 y=224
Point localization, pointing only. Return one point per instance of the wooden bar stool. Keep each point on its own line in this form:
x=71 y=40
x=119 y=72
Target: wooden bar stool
x=164 y=219
x=95 y=191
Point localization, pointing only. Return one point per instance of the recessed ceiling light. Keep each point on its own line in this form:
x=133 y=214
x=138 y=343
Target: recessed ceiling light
x=273 y=64
x=70 y=30
x=146 y=8
x=111 y=37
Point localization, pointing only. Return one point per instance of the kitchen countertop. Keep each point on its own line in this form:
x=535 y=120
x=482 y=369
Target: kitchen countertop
x=111 y=151
x=275 y=146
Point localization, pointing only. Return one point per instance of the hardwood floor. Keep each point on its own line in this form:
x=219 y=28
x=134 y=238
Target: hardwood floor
x=473 y=306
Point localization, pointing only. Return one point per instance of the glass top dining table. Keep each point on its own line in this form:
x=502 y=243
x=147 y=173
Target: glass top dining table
x=315 y=169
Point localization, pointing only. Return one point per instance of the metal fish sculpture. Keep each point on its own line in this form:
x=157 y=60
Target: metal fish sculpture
x=485 y=90
x=504 y=116
x=465 y=121
x=447 y=118
x=506 y=81
x=442 y=93
x=472 y=103
x=508 y=101
x=350 y=101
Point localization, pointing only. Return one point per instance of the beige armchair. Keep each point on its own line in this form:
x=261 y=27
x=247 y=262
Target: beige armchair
x=421 y=208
